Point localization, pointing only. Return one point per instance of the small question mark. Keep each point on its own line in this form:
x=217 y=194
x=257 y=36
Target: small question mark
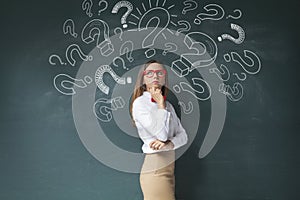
x=217 y=13
x=170 y=47
x=240 y=32
x=121 y=32
x=235 y=11
x=87 y=6
x=127 y=48
x=99 y=78
x=122 y=61
x=162 y=17
x=119 y=5
x=222 y=73
x=105 y=6
x=186 y=109
x=64 y=81
x=238 y=76
x=252 y=66
x=92 y=31
x=203 y=45
x=75 y=48
x=189 y=5
x=69 y=27
x=103 y=107
x=186 y=28
x=234 y=93
x=59 y=59
x=201 y=88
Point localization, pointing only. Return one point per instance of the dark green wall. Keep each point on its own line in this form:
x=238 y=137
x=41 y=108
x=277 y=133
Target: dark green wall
x=42 y=157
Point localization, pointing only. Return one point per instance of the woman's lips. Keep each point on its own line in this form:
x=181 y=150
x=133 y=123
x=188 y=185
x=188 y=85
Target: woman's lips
x=155 y=82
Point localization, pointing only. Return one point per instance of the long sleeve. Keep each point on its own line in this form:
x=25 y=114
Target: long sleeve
x=152 y=123
x=180 y=137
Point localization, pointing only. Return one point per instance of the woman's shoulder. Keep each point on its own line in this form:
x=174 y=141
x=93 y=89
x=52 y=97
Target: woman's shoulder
x=139 y=100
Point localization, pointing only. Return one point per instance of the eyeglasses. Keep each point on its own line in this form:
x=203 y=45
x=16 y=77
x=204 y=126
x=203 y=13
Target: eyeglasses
x=159 y=73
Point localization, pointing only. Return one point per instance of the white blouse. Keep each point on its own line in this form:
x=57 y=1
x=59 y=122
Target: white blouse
x=153 y=123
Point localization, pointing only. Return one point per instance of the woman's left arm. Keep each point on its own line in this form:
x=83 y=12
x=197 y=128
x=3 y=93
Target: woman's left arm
x=180 y=138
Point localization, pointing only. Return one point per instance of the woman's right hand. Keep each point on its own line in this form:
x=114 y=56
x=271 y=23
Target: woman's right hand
x=156 y=94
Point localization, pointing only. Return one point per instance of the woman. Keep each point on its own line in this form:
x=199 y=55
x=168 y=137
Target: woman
x=160 y=130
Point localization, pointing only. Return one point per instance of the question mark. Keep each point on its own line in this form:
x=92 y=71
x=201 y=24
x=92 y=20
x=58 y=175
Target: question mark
x=235 y=11
x=127 y=48
x=59 y=59
x=105 y=106
x=87 y=5
x=217 y=13
x=64 y=81
x=162 y=22
x=122 y=61
x=99 y=78
x=119 y=5
x=191 y=61
x=189 y=5
x=121 y=32
x=253 y=65
x=222 y=73
x=69 y=27
x=240 y=32
x=239 y=78
x=186 y=110
x=186 y=28
x=170 y=47
x=234 y=93
x=93 y=30
x=201 y=88
x=75 y=48
x=105 y=6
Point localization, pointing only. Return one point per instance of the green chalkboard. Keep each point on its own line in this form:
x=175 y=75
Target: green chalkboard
x=232 y=67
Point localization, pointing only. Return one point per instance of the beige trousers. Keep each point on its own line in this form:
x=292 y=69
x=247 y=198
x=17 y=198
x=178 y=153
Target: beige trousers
x=157 y=176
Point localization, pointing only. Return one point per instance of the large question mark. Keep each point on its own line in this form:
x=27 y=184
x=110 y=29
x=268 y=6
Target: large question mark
x=105 y=6
x=59 y=59
x=240 y=32
x=189 y=5
x=103 y=107
x=119 y=5
x=69 y=27
x=162 y=22
x=75 y=48
x=223 y=73
x=99 y=78
x=234 y=93
x=170 y=47
x=127 y=48
x=203 y=44
x=251 y=63
x=187 y=26
x=235 y=17
x=93 y=30
x=214 y=12
x=63 y=83
x=87 y=6
x=200 y=89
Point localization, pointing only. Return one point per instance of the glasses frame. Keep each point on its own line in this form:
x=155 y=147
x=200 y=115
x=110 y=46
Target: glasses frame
x=155 y=72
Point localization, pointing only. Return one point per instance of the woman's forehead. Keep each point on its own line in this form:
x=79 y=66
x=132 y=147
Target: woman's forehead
x=155 y=66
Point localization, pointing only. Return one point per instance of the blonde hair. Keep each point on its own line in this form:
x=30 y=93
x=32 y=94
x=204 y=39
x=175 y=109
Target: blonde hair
x=139 y=87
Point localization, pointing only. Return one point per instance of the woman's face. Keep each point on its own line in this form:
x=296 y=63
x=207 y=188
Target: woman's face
x=154 y=76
